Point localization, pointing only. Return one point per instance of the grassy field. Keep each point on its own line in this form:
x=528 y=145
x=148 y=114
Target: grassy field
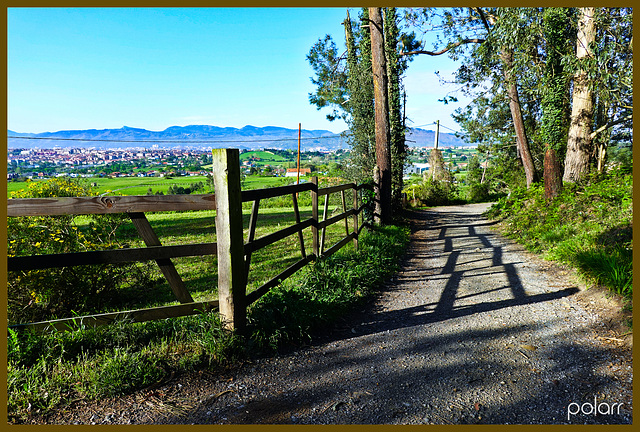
x=172 y=228
x=262 y=157
x=141 y=185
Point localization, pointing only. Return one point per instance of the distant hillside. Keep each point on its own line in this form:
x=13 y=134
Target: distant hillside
x=425 y=138
x=204 y=136
x=194 y=136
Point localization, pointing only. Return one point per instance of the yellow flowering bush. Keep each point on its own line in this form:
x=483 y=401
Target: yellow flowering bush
x=55 y=293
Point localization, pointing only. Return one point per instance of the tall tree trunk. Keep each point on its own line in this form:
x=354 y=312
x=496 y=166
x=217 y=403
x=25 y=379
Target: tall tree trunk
x=579 y=143
x=516 y=115
x=396 y=130
x=383 y=151
x=555 y=22
x=552 y=179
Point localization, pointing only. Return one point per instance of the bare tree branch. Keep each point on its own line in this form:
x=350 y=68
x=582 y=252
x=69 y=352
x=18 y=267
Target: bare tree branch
x=611 y=124
x=482 y=17
x=444 y=50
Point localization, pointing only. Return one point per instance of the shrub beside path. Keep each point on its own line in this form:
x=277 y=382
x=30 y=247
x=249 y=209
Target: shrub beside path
x=473 y=329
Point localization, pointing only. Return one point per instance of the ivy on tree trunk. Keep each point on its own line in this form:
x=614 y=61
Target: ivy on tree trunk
x=380 y=89
x=555 y=23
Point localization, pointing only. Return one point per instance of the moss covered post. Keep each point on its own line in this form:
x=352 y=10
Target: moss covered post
x=231 y=278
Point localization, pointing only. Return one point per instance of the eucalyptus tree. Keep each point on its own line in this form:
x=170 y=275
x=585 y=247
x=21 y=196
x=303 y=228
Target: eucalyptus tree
x=603 y=74
x=382 y=176
x=485 y=40
x=551 y=71
x=487 y=121
x=555 y=96
x=579 y=143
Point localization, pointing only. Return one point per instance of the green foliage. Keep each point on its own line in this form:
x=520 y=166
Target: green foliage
x=483 y=122
x=347 y=88
x=478 y=192
x=474 y=171
x=557 y=30
x=360 y=106
x=542 y=43
x=587 y=226
x=477 y=189
x=432 y=192
x=622 y=156
x=47 y=370
x=291 y=312
x=180 y=190
x=330 y=81
x=54 y=293
x=396 y=120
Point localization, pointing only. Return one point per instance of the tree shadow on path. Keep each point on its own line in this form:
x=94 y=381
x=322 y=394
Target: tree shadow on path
x=452 y=237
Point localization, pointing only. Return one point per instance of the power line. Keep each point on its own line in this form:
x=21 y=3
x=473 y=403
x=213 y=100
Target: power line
x=430 y=124
x=171 y=141
x=443 y=126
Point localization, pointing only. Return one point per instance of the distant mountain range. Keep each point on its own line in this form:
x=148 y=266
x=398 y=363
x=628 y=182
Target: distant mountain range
x=207 y=137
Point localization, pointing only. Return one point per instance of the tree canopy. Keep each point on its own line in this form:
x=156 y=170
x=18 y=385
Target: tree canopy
x=539 y=78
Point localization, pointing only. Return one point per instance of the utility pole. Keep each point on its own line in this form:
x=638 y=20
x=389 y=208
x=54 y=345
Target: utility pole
x=435 y=158
x=299 y=133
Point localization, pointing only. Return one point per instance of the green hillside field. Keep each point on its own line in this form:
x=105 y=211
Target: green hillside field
x=141 y=185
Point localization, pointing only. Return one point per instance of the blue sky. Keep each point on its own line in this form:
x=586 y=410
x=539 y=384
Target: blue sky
x=90 y=68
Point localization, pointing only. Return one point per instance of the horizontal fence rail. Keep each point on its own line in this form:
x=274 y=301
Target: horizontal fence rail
x=109 y=256
x=108 y=204
x=257 y=194
x=138 y=315
x=234 y=254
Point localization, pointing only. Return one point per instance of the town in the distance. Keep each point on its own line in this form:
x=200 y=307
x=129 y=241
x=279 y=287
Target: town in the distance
x=23 y=164
x=162 y=168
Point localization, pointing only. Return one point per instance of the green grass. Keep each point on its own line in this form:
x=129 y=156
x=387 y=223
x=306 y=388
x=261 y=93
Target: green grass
x=326 y=290
x=588 y=226
x=127 y=185
x=141 y=185
x=264 y=157
x=45 y=372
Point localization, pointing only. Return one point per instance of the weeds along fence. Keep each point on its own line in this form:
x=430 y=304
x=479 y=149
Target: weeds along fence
x=233 y=253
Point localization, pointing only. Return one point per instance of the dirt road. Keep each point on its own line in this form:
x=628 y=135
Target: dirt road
x=472 y=330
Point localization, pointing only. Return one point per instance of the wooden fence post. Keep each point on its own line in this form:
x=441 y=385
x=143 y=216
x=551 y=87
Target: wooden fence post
x=231 y=277
x=314 y=216
x=355 y=217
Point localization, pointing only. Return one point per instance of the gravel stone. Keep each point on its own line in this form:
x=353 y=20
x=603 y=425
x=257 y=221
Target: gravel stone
x=472 y=330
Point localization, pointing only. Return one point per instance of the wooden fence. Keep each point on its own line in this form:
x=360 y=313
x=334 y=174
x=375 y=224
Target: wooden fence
x=234 y=254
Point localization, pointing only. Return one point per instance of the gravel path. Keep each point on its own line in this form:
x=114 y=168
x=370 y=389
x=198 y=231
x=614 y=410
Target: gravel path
x=472 y=330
